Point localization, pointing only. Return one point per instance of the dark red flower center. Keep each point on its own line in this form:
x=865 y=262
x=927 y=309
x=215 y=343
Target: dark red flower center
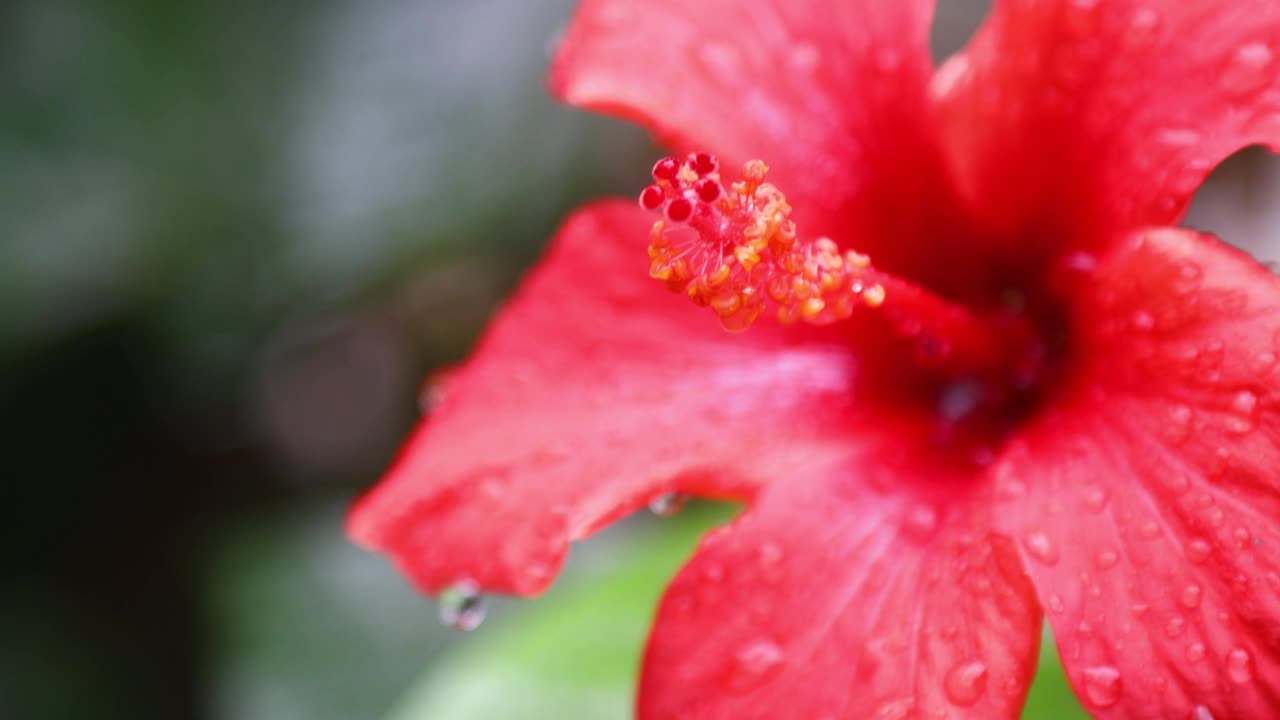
x=975 y=369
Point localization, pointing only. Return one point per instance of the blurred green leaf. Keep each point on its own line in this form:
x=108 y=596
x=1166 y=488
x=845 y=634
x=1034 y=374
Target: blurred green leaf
x=575 y=652
x=1051 y=697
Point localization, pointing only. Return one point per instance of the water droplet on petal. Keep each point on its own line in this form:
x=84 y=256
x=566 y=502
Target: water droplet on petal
x=1195 y=652
x=895 y=709
x=1175 y=627
x=950 y=76
x=754 y=663
x=1106 y=559
x=920 y=522
x=1041 y=547
x=1144 y=25
x=1262 y=363
x=1244 y=402
x=966 y=682
x=1178 y=427
x=461 y=606
x=805 y=57
x=1102 y=685
x=1142 y=321
x=1056 y=604
x=1190 y=598
x=667 y=504
x=1178 y=137
x=1095 y=497
x=769 y=560
x=1202 y=713
x=1149 y=530
x=1248 y=69
x=1240 y=666
x=1198 y=550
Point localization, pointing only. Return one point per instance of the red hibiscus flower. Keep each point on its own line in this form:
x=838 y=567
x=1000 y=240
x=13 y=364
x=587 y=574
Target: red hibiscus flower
x=987 y=380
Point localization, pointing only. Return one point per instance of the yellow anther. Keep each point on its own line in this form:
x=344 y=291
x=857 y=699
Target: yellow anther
x=747 y=257
x=736 y=249
x=811 y=307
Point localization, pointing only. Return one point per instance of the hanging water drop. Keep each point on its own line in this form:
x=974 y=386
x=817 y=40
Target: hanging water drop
x=667 y=504
x=461 y=606
x=1190 y=598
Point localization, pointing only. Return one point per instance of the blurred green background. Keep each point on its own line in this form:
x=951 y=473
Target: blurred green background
x=233 y=238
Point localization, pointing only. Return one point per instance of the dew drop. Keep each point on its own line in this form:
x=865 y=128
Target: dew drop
x=1041 y=547
x=1202 y=713
x=1178 y=137
x=1106 y=559
x=667 y=504
x=1198 y=550
x=1244 y=402
x=965 y=683
x=1143 y=27
x=1190 y=597
x=1262 y=363
x=805 y=57
x=461 y=606
x=1248 y=69
x=920 y=522
x=950 y=76
x=1195 y=652
x=1139 y=609
x=769 y=560
x=1189 y=273
x=1095 y=497
x=1178 y=427
x=1142 y=321
x=1056 y=605
x=754 y=663
x=895 y=709
x=713 y=572
x=1102 y=685
x=1240 y=666
x=1215 y=517
x=1175 y=627
x=1149 y=530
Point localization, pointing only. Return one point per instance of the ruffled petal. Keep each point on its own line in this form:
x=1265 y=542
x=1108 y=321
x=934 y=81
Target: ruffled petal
x=1066 y=119
x=862 y=586
x=595 y=391
x=831 y=95
x=1147 y=500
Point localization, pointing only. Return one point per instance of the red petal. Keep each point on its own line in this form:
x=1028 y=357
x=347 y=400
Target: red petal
x=595 y=391
x=830 y=599
x=1068 y=118
x=830 y=95
x=1147 y=502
